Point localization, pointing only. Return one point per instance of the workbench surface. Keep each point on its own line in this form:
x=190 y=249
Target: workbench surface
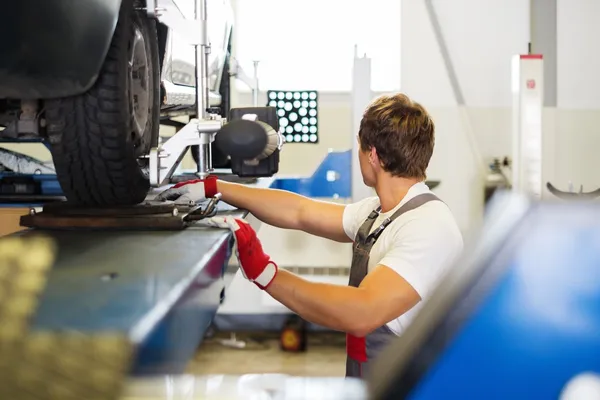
x=107 y=280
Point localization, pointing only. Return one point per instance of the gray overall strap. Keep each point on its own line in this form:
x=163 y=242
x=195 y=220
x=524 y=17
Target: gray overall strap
x=363 y=243
x=365 y=240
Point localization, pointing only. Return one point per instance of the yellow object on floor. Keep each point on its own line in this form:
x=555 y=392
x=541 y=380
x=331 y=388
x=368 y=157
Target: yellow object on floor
x=325 y=355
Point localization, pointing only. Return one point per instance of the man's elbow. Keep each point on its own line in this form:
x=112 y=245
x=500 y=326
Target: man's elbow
x=362 y=327
x=365 y=319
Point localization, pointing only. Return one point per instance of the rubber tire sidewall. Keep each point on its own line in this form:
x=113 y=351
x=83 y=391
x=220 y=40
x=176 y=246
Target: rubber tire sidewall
x=90 y=134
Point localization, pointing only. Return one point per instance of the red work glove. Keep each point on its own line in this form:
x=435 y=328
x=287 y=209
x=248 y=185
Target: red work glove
x=191 y=191
x=256 y=266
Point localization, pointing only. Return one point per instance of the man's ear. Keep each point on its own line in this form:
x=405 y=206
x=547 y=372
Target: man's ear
x=373 y=158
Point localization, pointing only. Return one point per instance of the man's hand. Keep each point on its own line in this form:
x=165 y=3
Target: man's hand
x=191 y=191
x=256 y=266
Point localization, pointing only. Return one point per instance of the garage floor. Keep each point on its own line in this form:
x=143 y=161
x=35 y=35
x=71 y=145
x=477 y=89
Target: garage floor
x=325 y=356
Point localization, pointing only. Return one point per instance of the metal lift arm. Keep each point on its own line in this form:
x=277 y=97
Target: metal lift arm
x=199 y=132
x=22 y=164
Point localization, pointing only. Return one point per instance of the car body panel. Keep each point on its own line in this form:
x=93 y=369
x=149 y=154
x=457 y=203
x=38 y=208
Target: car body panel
x=179 y=63
x=183 y=55
x=53 y=48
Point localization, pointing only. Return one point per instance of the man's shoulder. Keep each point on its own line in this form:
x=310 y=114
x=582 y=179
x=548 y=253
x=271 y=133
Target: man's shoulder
x=361 y=208
x=368 y=202
x=434 y=219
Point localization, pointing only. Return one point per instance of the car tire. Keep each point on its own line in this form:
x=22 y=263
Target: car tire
x=98 y=140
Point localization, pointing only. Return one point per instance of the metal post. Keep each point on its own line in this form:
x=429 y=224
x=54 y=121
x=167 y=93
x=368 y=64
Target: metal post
x=205 y=155
x=203 y=90
x=456 y=88
x=362 y=95
x=202 y=52
x=255 y=88
x=544 y=15
x=528 y=143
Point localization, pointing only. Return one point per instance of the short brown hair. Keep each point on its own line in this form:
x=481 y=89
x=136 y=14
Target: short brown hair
x=402 y=133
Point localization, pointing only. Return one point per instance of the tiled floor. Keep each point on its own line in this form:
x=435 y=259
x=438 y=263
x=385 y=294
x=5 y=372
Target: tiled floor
x=325 y=356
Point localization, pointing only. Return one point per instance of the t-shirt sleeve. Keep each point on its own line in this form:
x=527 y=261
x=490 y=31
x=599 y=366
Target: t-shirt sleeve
x=355 y=214
x=422 y=252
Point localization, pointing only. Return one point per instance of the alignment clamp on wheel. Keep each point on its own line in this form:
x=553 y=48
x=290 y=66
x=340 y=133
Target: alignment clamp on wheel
x=251 y=138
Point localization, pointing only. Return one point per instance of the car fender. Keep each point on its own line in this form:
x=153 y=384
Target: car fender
x=53 y=48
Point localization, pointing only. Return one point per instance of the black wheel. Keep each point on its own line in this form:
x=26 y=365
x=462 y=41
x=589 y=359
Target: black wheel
x=97 y=138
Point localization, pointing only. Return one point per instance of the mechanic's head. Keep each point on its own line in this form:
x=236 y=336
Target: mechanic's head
x=396 y=137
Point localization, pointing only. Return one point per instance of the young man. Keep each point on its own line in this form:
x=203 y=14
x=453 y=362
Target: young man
x=404 y=238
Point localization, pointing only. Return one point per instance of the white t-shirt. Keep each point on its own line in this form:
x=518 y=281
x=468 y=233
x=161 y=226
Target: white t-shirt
x=420 y=245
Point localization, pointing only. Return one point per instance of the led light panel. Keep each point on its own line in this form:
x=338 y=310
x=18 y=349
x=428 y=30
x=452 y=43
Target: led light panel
x=298 y=114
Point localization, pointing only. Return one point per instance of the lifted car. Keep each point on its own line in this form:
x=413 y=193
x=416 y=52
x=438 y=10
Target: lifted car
x=94 y=79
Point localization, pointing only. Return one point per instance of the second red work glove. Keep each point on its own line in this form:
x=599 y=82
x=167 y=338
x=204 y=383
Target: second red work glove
x=256 y=266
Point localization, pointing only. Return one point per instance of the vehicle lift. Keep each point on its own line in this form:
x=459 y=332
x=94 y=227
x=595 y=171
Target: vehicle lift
x=89 y=297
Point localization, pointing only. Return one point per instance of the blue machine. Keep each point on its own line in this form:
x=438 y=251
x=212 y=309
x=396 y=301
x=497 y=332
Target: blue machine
x=332 y=178
x=517 y=319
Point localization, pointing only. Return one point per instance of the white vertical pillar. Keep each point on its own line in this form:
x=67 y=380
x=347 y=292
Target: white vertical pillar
x=543 y=14
x=361 y=97
x=528 y=96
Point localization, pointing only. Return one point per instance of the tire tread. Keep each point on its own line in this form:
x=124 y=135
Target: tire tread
x=89 y=138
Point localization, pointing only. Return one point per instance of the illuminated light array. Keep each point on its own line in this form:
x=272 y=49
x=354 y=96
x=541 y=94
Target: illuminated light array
x=298 y=114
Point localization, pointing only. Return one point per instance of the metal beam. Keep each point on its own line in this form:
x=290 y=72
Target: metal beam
x=362 y=95
x=456 y=89
x=543 y=20
x=439 y=36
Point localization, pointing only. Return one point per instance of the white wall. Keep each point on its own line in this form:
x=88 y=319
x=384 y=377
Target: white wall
x=481 y=37
x=578 y=87
x=578 y=54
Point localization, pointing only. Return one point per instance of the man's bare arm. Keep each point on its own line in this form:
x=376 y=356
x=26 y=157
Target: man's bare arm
x=288 y=210
x=381 y=297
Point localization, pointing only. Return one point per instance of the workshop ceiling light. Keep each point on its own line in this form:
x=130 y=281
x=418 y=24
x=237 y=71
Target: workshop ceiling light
x=298 y=114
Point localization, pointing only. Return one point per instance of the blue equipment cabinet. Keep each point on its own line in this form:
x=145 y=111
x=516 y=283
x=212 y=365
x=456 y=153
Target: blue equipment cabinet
x=517 y=319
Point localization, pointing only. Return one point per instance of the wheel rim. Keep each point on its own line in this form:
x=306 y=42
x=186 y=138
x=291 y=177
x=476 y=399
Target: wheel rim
x=139 y=88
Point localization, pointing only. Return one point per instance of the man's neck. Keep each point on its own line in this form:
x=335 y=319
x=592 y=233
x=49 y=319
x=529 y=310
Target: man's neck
x=391 y=190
